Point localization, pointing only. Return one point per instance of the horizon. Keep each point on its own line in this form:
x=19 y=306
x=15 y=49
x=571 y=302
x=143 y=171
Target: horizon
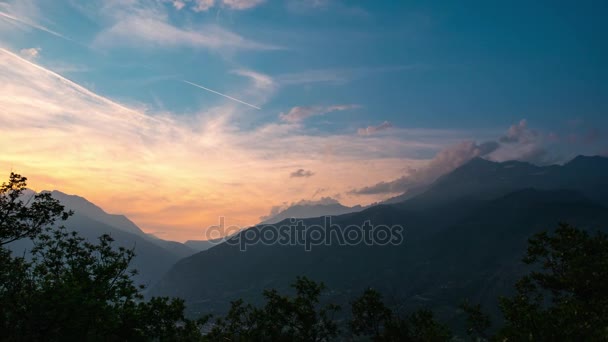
x=176 y=113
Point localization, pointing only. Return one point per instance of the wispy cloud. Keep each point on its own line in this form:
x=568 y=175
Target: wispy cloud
x=30 y=53
x=374 y=129
x=242 y=4
x=220 y=94
x=152 y=32
x=297 y=114
x=261 y=81
x=445 y=161
x=339 y=75
x=28 y=23
x=204 y=5
x=519 y=133
x=520 y=142
x=147 y=24
x=308 y=6
x=170 y=172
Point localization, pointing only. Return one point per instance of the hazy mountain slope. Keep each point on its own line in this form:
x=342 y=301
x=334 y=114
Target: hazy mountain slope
x=311 y=210
x=464 y=237
x=476 y=256
x=154 y=256
x=82 y=207
x=151 y=260
x=203 y=245
x=483 y=179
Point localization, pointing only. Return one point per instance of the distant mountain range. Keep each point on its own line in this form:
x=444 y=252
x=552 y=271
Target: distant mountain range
x=465 y=236
x=312 y=209
x=154 y=256
x=203 y=245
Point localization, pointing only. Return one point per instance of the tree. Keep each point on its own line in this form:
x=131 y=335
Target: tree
x=566 y=298
x=371 y=318
x=22 y=217
x=72 y=289
x=282 y=318
x=477 y=322
x=369 y=314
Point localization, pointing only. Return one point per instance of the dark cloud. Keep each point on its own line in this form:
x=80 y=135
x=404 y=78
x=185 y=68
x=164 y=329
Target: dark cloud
x=374 y=129
x=301 y=173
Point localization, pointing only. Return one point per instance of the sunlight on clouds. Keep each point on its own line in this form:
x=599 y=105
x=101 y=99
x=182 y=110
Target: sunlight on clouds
x=167 y=174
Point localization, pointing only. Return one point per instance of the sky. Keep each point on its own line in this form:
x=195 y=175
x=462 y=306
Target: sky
x=178 y=112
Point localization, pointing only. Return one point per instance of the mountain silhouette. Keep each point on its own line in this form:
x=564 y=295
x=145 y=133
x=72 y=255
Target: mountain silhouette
x=464 y=238
x=308 y=210
x=154 y=256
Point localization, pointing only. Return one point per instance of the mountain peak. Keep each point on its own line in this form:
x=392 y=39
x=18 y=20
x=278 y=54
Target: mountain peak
x=587 y=160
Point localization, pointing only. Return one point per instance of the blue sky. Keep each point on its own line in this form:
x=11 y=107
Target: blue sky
x=461 y=65
x=388 y=83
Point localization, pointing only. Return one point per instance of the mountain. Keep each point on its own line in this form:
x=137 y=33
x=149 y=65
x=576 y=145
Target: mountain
x=311 y=209
x=410 y=193
x=203 y=245
x=82 y=207
x=154 y=256
x=484 y=179
x=464 y=238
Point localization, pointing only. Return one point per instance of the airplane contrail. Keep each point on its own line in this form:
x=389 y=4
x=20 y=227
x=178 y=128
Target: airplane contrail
x=39 y=27
x=218 y=93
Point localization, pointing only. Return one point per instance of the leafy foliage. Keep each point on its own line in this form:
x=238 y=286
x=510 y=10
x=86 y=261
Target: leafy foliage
x=477 y=321
x=69 y=288
x=72 y=289
x=372 y=318
x=369 y=314
x=25 y=219
x=567 y=299
x=564 y=299
x=283 y=318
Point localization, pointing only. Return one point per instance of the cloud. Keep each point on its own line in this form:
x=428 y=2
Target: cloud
x=152 y=32
x=297 y=114
x=202 y=5
x=220 y=94
x=301 y=173
x=31 y=53
x=242 y=4
x=144 y=24
x=339 y=75
x=29 y=23
x=178 y=4
x=519 y=133
x=277 y=209
x=520 y=142
x=307 y=6
x=205 y=5
x=445 y=161
x=525 y=144
x=374 y=129
x=147 y=165
x=260 y=81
